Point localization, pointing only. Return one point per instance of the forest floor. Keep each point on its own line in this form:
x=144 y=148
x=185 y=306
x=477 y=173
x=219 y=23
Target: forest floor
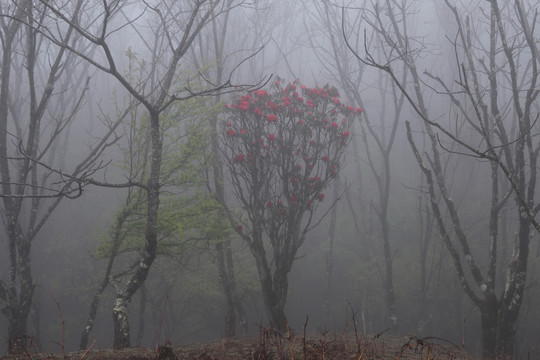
x=271 y=347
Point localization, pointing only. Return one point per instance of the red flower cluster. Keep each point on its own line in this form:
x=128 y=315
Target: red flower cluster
x=261 y=93
x=295 y=138
x=271 y=118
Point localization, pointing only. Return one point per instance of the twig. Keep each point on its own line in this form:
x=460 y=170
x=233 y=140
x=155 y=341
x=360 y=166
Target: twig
x=161 y=321
x=63 y=344
x=304 y=338
x=87 y=350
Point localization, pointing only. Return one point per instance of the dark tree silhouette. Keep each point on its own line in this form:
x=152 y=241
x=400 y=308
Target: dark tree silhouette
x=494 y=94
x=42 y=94
x=281 y=151
x=173 y=35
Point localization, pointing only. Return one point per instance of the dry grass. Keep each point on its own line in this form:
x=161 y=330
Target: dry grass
x=269 y=345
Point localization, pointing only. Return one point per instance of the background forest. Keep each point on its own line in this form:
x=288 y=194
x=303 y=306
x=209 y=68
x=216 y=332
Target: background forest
x=122 y=193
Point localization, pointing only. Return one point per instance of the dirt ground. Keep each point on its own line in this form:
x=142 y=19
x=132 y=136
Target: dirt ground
x=274 y=347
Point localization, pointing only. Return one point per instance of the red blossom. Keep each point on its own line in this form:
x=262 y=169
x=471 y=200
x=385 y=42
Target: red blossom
x=260 y=93
x=244 y=105
x=271 y=118
x=271 y=105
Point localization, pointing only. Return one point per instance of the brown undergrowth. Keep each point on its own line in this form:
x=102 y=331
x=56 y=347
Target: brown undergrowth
x=272 y=345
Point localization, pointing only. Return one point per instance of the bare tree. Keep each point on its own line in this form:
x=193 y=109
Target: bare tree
x=493 y=94
x=376 y=134
x=174 y=26
x=213 y=47
x=42 y=93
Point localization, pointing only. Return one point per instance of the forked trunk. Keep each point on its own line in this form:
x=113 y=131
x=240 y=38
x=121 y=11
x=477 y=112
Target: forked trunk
x=275 y=295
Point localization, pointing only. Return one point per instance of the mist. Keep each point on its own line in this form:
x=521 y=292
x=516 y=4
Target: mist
x=129 y=218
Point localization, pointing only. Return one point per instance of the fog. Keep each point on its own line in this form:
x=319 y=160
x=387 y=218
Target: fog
x=119 y=170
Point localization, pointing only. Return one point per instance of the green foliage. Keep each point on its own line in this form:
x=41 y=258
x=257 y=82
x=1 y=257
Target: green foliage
x=187 y=213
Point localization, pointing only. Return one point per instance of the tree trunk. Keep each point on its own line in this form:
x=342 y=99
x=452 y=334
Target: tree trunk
x=489 y=319
x=390 y=297
x=514 y=288
x=117 y=239
x=274 y=303
x=223 y=248
x=121 y=322
x=21 y=300
x=330 y=257
x=274 y=290
x=16 y=333
x=92 y=314
x=230 y=318
x=142 y=314
x=123 y=296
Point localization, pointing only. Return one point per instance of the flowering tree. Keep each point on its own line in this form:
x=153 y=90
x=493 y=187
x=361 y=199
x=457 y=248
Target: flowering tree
x=282 y=149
